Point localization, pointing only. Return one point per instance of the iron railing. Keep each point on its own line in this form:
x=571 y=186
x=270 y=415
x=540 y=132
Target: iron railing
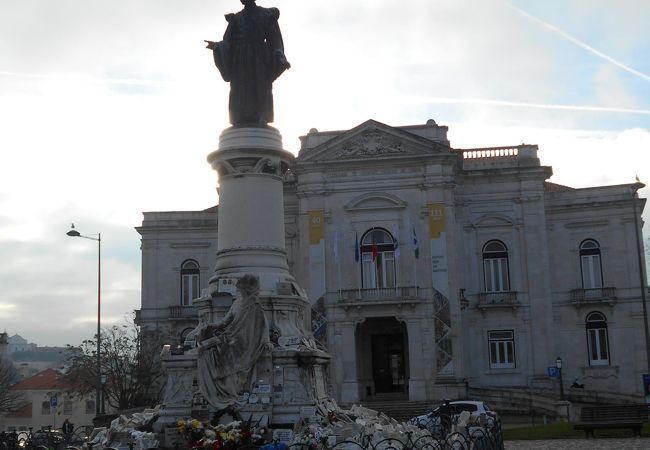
x=181 y=312
x=497 y=298
x=379 y=294
x=593 y=294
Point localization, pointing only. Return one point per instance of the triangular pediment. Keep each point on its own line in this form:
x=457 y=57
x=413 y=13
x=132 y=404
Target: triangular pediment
x=493 y=220
x=370 y=140
x=375 y=201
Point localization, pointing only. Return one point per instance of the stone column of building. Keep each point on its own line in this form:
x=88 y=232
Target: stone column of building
x=419 y=344
x=537 y=281
x=347 y=354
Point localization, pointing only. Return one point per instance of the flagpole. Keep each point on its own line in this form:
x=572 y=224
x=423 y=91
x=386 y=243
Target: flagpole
x=416 y=251
x=338 y=267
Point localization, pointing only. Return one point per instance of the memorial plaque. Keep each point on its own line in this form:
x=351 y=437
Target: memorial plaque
x=307 y=411
x=282 y=435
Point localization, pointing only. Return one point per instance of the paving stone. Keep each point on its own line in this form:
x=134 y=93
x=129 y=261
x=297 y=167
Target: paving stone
x=580 y=444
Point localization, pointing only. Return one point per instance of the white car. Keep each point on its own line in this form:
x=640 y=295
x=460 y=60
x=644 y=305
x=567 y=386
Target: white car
x=432 y=420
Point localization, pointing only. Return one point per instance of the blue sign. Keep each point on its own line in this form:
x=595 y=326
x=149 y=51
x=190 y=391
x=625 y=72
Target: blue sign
x=553 y=372
x=54 y=401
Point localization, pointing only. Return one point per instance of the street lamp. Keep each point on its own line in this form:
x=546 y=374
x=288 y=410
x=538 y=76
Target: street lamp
x=639 y=231
x=75 y=233
x=558 y=364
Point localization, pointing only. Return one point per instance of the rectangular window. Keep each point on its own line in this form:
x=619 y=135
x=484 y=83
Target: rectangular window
x=592 y=277
x=90 y=406
x=597 y=340
x=388 y=259
x=190 y=288
x=496 y=274
x=369 y=272
x=502 y=349
x=45 y=408
x=67 y=406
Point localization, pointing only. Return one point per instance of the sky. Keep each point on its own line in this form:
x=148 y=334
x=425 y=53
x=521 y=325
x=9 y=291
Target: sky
x=109 y=109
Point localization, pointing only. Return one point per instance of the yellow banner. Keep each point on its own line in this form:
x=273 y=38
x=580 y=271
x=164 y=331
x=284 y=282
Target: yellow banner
x=316 y=227
x=436 y=219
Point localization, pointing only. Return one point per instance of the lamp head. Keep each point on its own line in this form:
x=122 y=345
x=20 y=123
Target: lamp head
x=73 y=232
x=558 y=362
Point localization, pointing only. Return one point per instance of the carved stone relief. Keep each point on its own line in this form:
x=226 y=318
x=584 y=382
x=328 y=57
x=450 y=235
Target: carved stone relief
x=370 y=143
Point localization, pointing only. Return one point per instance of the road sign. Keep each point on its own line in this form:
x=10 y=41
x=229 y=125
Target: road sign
x=54 y=401
x=553 y=372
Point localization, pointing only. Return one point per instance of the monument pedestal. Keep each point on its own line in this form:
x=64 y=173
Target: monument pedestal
x=252 y=164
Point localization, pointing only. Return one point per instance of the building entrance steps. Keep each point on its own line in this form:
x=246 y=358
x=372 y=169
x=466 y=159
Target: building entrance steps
x=397 y=407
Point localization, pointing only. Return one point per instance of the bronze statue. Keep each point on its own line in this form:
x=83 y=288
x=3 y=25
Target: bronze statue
x=251 y=57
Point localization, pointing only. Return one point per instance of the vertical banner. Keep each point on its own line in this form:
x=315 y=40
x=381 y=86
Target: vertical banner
x=436 y=218
x=316 y=226
x=316 y=233
x=440 y=282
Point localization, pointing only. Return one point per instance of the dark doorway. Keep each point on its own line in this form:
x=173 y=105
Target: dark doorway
x=388 y=363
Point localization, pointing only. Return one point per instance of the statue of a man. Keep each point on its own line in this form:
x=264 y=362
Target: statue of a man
x=230 y=348
x=251 y=57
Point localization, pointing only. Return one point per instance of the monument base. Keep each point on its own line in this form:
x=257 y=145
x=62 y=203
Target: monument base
x=290 y=377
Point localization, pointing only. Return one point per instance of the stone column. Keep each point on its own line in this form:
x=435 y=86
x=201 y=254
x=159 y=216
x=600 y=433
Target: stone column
x=251 y=164
x=348 y=354
x=417 y=350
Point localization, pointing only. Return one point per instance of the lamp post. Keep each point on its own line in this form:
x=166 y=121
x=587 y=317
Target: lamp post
x=75 y=233
x=638 y=231
x=103 y=380
x=558 y=364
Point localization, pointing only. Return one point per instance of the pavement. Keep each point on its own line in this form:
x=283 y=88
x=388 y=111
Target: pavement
x=580 y=444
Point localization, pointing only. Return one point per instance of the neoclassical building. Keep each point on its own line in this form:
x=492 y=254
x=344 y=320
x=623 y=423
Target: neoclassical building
x=431 y=268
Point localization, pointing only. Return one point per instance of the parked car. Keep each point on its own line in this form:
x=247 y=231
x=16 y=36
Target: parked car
x=434 y=420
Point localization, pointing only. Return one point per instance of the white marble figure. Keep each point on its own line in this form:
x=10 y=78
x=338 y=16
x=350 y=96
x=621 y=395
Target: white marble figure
x=230 y=348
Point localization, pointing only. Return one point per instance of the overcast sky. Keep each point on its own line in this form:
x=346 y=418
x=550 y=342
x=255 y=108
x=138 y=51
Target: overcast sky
x=109 y=108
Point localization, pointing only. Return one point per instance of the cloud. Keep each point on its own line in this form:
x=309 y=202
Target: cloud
x=583 y=45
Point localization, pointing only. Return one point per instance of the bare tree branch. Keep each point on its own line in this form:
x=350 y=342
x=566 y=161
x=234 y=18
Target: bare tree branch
x=130 y=362
x=10 y=400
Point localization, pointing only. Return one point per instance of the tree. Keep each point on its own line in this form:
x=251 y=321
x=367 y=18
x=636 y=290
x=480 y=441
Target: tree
x=129 y=359
x=10 y=399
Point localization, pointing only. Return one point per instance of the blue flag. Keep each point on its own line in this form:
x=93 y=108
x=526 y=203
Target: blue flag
x=416 y=245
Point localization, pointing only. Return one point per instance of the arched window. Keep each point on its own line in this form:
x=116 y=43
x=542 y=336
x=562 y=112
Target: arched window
x=184 y=333
x=495 y=267
x=189 y=282
x=590 y=264
x=597 y=342
x=378 y=259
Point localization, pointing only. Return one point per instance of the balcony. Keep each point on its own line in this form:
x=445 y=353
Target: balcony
x=595 y=295
x=504 y=299
x=363 y=297
x=499 y=157
x=182 y=312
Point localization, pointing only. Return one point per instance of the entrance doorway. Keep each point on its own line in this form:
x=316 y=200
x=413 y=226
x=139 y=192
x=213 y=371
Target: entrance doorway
x=383 y=364
x=388 y=363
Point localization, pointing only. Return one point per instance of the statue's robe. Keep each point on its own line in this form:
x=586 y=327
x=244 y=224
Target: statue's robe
x=251 y=57
x=226 y=361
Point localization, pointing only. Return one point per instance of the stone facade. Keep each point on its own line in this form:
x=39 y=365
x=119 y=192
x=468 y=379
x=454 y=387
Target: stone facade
x=435 y=268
